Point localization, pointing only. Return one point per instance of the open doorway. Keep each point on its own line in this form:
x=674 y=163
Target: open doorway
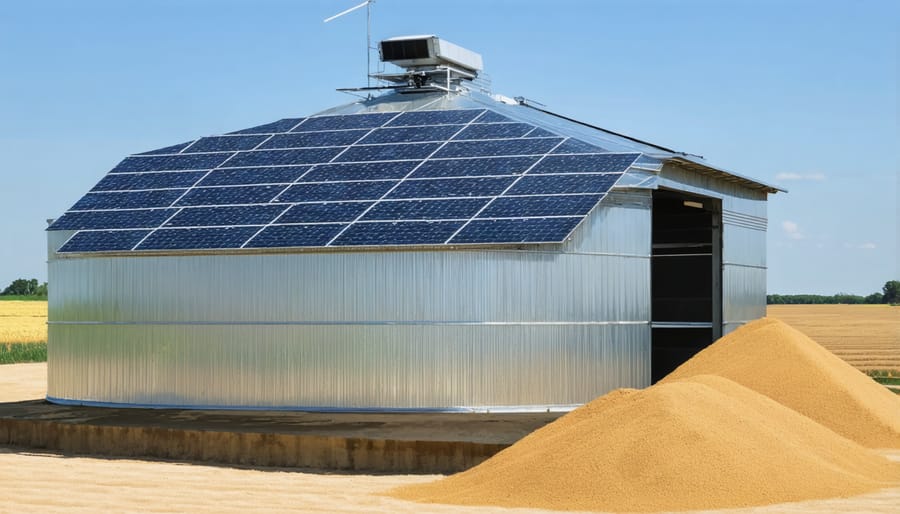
x=686 y=263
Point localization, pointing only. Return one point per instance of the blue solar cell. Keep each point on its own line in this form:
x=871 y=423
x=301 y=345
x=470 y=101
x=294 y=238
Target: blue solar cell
x=225 y=143
x=227 y=215
x=539 y=132
x=450 y=187
x=164 y=180
x=103 y=240
x=531 y=230
x=397 y=233
x=596 y=163
x=558 y=184
x=435 y=117
x=577 y=146
x=282 y=236
x=388 y=152
x=128 y=200
x=498 y=147
x=360 y=171
x=345 y=121
x=494 y=131
x=141 y=218
x=459 y=208
x=312 y=139
x=474 y=167
x=323 y=212
x=167 y=150
x=411 y=134
x=171 y=162
x=528 y=206
x=197 y=238
x=336 y=191
x=230 y=195
x=490 y=116
x=271 y=128
x=242 y=176
x=283 y=157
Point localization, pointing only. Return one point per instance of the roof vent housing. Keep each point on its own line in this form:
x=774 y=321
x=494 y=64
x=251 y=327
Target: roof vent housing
x=428 y=51
x=431 y=63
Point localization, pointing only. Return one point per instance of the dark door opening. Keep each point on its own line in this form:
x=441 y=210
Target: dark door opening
x=686 y=278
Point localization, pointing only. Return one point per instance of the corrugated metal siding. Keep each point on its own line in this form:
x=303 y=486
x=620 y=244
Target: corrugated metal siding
x=435 y=330
x=384 y=366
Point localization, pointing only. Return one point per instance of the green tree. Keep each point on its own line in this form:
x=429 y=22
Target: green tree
x=25 y=287
x=891 y=291
x=875 y=298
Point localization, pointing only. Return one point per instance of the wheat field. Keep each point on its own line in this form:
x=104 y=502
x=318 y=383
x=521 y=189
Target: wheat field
x=23 y=322
x=866 y=336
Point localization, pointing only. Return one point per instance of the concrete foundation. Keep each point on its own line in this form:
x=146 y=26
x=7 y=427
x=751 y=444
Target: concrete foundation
x=376 y=442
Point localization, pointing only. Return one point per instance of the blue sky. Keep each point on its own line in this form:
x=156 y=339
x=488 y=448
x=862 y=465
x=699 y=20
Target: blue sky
x=799 y=93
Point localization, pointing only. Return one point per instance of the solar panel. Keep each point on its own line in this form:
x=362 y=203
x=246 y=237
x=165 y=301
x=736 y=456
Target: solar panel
x=154 y=180
x=398 y=233
x=474 y=167
x=136 y=218
x=197 y=238
x=560 y=205
x=227 y=215
x=457 y=208
x=229 y=195
x=246 y=176
x=469 y=176
x=450 y=187
x=498 y=147
x=344 y=121
x=526 y=230
x=280 y=236
x=336 y=191
x=494 y=131
x=225 y=144
x=308 y=139
x=322 y=212
x=171 y=162
x=104 y=240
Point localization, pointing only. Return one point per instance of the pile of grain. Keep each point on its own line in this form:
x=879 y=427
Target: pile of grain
x=700 y=443
x=782 y=363
x=765 y=415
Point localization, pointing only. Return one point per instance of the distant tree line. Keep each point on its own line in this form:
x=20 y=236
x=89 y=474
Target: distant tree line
x=890 y=294
x=25 y=287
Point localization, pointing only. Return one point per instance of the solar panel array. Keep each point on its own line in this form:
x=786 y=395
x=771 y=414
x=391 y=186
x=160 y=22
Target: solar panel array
x=448 y=177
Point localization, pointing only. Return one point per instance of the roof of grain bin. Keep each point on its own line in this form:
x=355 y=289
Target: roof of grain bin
x=414 y=167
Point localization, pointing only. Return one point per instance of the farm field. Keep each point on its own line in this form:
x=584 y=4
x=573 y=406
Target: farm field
x=866 y=336
x=23 y=321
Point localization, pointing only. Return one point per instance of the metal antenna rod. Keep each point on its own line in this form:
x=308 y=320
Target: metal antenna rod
x=368 y=5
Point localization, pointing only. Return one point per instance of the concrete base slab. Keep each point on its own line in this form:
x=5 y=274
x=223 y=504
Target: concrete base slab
x=370 y=442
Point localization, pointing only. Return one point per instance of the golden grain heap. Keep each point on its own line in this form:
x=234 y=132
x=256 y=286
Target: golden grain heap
x=23 y=322
x=782 y=363
x=699 y=440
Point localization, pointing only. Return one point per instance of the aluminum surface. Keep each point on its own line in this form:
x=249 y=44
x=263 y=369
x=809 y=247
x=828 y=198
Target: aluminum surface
x=473 y=329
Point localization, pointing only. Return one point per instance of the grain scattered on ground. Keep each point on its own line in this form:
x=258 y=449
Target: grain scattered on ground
x=782 y=363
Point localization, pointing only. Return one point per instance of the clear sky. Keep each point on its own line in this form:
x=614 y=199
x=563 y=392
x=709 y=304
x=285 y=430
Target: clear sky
x=799 y=93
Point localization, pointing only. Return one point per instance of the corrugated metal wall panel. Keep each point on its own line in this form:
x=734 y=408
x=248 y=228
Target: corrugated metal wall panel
x=385 y=366
x=369 y=287
x=744 y=294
